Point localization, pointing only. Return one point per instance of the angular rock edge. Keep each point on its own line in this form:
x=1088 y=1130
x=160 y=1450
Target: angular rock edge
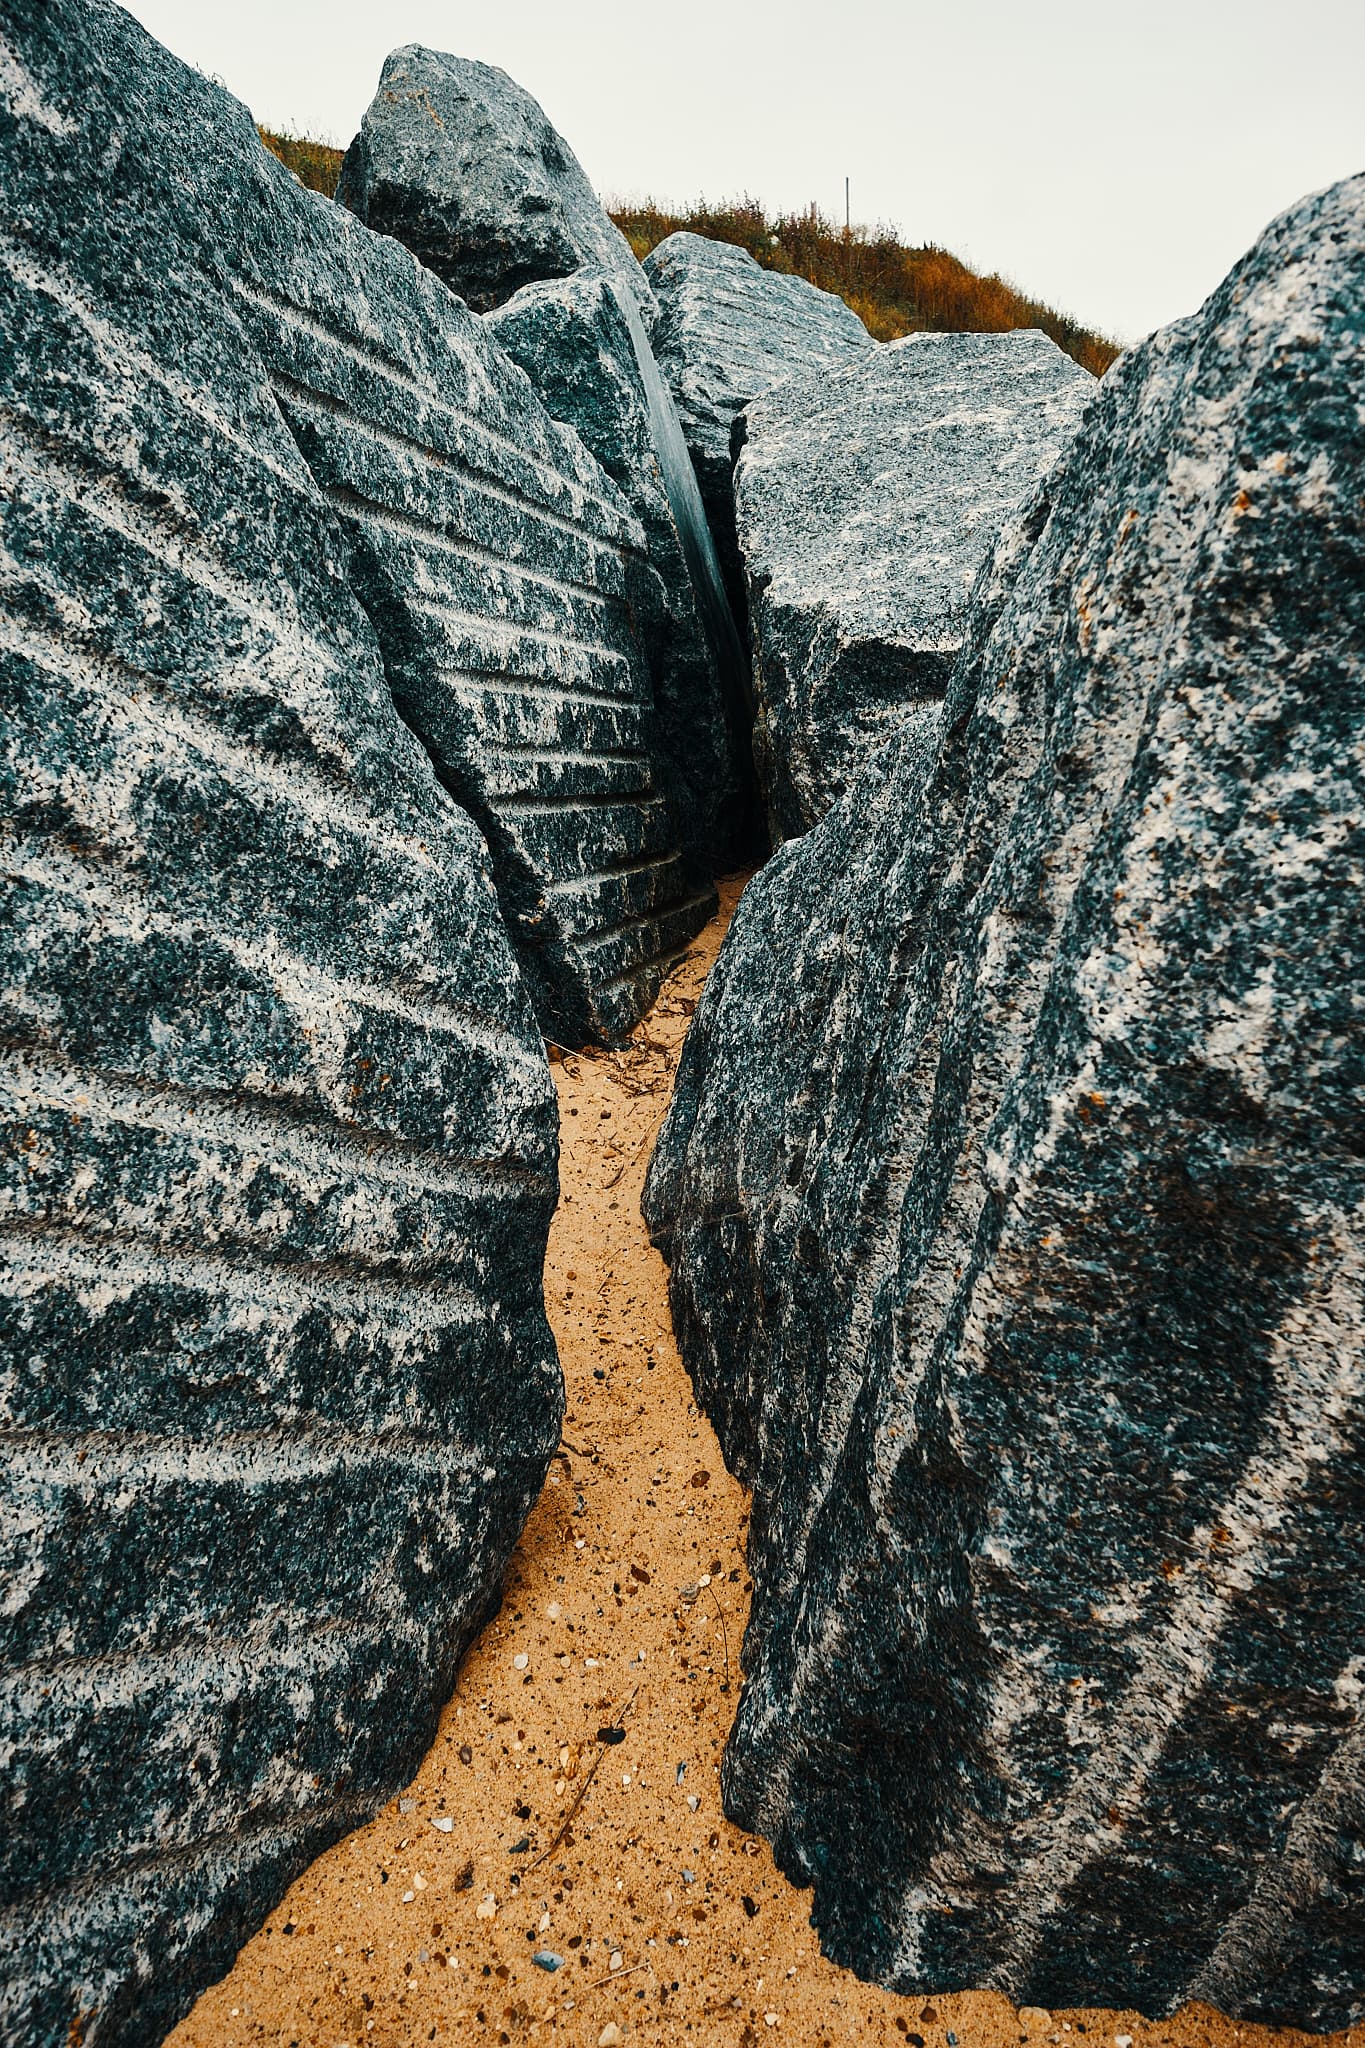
x=464 y=167
x=582 y=343
x=278 y=1388
x=866 y=501
x=725 y=331
x=1012 y=1195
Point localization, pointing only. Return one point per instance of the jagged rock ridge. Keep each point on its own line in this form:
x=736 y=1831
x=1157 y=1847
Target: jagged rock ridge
x=725 y=331
x=496 y=561
x=278 y=1388
x=1012 y=1192
x=866 y=500
x=581 y=343
x=463 y=166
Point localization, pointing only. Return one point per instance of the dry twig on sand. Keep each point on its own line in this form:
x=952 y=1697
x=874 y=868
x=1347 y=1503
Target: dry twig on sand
x=581 y=1794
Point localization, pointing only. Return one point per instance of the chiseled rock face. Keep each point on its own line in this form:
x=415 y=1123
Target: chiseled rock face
x=461 y=165
x=498 y=563
x=581 y=342
x=866 y=501
x=726 y=331
x=277 y=1387
x=1013 y=1195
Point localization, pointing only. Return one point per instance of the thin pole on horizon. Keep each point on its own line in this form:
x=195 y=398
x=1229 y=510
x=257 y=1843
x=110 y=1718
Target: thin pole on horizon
x=848 y=218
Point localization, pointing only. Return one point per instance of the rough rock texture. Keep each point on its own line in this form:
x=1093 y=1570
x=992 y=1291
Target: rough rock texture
x=1013 y=1192
x=277 y=1387
x=726 y=331
x=582 y=343
x=499 y=565
x=497 y=562
x=462 y=166
x=866 y=501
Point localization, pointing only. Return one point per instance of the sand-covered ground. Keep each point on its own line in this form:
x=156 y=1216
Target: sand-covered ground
x=524 y=1833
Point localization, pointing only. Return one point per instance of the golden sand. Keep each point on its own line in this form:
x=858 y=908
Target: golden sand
x=625 y=1607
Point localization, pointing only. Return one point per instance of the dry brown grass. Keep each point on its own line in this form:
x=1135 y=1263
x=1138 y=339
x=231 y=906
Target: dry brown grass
x=893 y=289
x=315 y=164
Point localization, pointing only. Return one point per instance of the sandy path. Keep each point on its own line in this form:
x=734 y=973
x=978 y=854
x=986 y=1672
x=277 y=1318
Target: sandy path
x=626 y=1600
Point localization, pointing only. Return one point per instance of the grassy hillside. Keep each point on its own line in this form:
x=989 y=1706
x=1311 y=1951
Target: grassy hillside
x=895 y=290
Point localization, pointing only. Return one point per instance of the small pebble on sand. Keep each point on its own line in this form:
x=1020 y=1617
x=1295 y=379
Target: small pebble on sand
x=520 y=1661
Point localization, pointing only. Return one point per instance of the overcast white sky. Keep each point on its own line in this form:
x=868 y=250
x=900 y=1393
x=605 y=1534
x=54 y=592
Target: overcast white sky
x=1114 y=160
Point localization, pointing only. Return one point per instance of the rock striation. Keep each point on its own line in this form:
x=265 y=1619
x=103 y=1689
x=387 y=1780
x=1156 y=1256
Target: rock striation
x=277 y=1387
x=866 y=501
x=498 y=564
x=462 y=166
x=725 y=332
x=1012 y=1192
x=582 y=343
x=501 y=568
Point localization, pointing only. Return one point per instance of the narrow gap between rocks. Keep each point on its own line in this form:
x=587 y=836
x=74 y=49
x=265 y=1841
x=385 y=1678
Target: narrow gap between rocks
x=527 y=1831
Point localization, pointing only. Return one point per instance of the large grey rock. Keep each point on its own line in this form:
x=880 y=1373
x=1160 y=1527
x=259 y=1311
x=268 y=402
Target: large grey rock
x=461 y=165
x=725 y=332
x=1013 y=1193
x=866 y=500
x=581 y=342
x=277 y=1388
x=500 y=566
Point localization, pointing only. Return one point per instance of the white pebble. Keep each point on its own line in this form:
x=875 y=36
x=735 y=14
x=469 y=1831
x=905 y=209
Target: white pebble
x=443 y=1823
x=553 y=1611
x=520 y=1661
x=486 y=1908
x=592 y=1664
x=610 y=2036
x=772 y=2019
x=616 y=1959
x=419 y=1883
x=408 y=1898
x=1123 y=2041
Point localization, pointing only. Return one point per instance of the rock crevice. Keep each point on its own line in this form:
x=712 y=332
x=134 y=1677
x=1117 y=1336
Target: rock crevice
x=1013 y=1208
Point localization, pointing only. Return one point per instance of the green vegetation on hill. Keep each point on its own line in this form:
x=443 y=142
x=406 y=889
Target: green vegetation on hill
x=893 y=289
